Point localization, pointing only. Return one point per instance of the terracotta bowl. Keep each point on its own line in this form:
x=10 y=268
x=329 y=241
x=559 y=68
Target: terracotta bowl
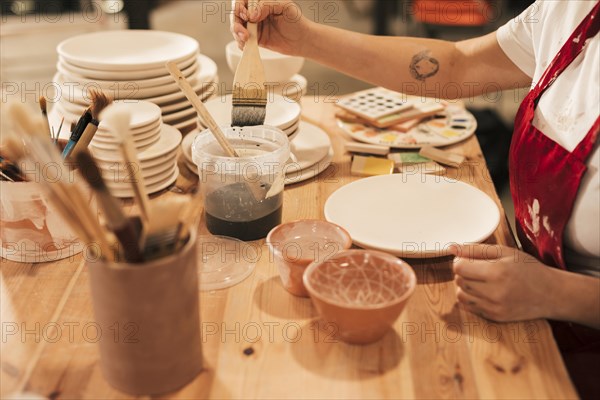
x=361 y=292
x=295 y=245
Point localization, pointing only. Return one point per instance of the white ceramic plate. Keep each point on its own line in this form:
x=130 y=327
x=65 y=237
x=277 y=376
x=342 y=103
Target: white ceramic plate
x=412 y=215
x=186 y=126
x=127 y=193
x=281 y=112
x=126 y=50
x=71 y=75
x=293 y=175
x=108 y=147
x=310 y=146
x=179 y=116
x=78 y=95
x=124 y=75
x=170 y=158
x=138 y=134
x=123 y=181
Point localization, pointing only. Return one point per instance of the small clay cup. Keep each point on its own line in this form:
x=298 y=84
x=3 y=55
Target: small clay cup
x=294 y=245
x=361 y=292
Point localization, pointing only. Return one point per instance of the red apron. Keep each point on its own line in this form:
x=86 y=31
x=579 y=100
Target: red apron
x=544 y=177
x=544 y=181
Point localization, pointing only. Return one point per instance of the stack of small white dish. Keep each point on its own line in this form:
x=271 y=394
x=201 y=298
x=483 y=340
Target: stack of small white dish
x=130 y=65
x=157 y=146
x=281 y=71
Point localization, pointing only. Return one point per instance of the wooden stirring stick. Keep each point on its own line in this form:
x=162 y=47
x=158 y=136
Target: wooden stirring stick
x=187 y=89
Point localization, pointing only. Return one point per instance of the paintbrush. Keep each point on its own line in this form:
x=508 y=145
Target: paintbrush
x=99 y=102
x=256 y=189
x=76 y=132
x=57 y=135
x=64 y=192
x=249 y=92
x=44 y=109
x=116 y=220
x=10 y=171
x=118 y=117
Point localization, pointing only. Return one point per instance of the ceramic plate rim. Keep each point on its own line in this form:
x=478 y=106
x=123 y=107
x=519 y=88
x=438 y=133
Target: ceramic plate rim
x=360 y=241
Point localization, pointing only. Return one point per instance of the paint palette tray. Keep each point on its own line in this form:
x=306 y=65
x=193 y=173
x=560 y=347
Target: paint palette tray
x=452 y=125
x=374 y=104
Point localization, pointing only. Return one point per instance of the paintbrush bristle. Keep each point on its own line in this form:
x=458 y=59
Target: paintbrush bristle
x=99 y=102
x=43 y=105
x=248 y=116
x=249 y=106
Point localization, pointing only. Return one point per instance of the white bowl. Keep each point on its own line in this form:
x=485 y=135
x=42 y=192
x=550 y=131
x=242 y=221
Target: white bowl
x=278 y=67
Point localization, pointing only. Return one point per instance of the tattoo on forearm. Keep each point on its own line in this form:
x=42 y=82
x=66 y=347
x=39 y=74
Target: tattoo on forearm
x=423 y=66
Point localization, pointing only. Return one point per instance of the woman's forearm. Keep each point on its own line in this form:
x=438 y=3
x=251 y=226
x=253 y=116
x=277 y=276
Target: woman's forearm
x=427 y=67
x=573 y=297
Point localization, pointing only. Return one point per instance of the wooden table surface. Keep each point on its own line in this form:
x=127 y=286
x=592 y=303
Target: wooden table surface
x=436 y=350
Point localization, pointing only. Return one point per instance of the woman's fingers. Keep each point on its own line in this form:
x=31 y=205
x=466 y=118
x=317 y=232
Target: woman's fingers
x=477 y=270
x=238 y=21
x=474 y=288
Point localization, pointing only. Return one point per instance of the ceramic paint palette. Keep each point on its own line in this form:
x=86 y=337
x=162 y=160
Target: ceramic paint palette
x=373 y=104
x=454 y=125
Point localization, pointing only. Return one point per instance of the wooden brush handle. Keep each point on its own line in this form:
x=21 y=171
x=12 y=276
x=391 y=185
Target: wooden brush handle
x=139 y=187
x=187 y=89
x=251 y=26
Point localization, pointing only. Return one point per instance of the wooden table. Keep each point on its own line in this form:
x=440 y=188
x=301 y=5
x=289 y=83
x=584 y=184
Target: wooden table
x=437 y=349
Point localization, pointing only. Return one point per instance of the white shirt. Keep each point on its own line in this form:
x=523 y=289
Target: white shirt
x=567 y=110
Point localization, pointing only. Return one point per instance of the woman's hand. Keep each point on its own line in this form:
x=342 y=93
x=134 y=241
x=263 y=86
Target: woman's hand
x=282 y=27
x=502 y=283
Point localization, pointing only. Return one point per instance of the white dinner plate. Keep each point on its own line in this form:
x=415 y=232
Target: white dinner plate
x=169 y=158
x=71 y=76
x=413 y=216
x=179 y=116
x=310 y=146
x=123 y=181
x=126 y=50
x=281 y=112
x=294 y=175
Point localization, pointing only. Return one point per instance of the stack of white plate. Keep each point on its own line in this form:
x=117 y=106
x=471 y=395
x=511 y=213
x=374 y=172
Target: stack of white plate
x=130 y=65
x=311 y=153
x=157 y=146
x=282 y=113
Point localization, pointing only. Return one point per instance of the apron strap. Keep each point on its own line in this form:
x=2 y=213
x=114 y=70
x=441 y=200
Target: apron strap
x=585 y=147
x=574 y=45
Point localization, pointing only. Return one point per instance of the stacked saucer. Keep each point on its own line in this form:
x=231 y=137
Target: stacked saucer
x=282 y=113
x=157 y=145
x=130 y=65
x=311 y=153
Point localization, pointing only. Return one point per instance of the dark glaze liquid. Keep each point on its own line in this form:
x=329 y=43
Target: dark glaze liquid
x=250 y=230
x=233 y=211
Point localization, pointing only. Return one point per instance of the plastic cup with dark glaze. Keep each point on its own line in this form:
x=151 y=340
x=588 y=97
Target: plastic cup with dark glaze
x=360 y=292
x=294 y=245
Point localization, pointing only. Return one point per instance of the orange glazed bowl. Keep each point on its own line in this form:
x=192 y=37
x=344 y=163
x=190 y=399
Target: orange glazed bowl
x=361 y=292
